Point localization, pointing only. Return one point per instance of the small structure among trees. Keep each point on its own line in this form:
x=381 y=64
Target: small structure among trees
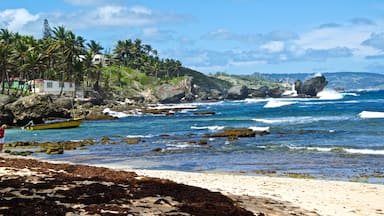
x=52 y=87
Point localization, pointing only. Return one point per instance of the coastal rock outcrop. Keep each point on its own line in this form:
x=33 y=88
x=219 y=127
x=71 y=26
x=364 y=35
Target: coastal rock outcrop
x=5 y=99
x=275 y=92
x=37 y=107
x=168 y=93
x=259 y=93
x=238 y=92
x=311 y=86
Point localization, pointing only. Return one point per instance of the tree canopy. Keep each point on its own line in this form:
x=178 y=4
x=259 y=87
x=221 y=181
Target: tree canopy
x=62 y=55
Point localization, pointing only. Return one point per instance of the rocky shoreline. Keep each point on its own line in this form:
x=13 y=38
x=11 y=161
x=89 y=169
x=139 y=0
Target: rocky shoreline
x=37 y=108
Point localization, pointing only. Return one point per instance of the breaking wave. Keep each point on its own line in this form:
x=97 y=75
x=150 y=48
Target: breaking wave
x=278 y=103
x=341 y=150
x=300 y=119
x=370 y=114
x=115 y=114
x=213 y=128
x=329 y=95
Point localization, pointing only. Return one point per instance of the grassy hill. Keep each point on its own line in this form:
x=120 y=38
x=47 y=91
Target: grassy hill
x=251 y=81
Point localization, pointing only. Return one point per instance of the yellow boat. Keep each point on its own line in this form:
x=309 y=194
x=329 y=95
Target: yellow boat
x=61 y=124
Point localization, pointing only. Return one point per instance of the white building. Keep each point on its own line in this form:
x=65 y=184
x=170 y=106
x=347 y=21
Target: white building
x=51 y=87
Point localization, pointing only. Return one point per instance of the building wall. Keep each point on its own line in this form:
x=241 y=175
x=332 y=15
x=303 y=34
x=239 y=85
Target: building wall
x=53 y=87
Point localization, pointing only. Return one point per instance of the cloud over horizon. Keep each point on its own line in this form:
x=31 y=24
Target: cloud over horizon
x=356 y=38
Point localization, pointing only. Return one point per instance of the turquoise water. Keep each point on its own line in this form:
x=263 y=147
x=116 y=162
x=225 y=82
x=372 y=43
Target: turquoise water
x=325 y=138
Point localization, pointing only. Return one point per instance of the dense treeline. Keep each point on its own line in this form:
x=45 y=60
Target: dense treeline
x=63 y=55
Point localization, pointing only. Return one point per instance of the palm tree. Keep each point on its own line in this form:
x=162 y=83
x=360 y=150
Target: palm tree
x=69 y=49
x=95 y=48
x=6 y=40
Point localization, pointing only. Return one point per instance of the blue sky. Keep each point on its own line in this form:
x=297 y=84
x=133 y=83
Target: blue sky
x=233 y=36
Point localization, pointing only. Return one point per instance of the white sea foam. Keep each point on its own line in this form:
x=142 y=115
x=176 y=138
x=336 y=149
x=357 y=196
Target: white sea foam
x=350 y=94
x=213 y=128
x=254 y=100
x=328 y=94
x=300 y=119
x=278 y=103
x=139 y=136
x=337 y=149
x=370 y=114
x=174 y=106
x=260 y=129
x=114 y=113
x=171 y=146
x=365 y=151
x=291 y=93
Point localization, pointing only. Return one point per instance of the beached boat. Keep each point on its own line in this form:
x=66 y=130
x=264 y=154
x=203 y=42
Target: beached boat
x=57 y=124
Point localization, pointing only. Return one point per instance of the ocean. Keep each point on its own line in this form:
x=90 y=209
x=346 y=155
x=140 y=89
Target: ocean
x=339 y=136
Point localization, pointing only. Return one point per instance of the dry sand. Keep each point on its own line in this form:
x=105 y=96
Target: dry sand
x=277 y=195
x=315 y=196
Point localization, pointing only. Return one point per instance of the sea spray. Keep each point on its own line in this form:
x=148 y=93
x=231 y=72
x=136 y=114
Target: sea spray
x=328 y=94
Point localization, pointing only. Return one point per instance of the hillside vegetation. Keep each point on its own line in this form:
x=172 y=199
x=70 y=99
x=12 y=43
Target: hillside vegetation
x=250 y=81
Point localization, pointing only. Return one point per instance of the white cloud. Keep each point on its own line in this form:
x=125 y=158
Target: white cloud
x=16 y=19
x=224 y=34
x=91 y=2
x=273 y=46
x=349 y=36
x=155 y=34
x=141 y=10
x=375 y=41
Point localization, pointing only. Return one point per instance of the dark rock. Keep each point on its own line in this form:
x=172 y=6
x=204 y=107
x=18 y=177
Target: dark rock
x=63 y=102
x=235 y=133
x=314 y=85
x=158 y=149
x=259 y=93
x=99 y=116
x=169 y=93
x=298 y=86
x=203 y=142
x=275 y=92
x=36 y=108
x=205 y=113
x=215 y=94
x=6 y=116
x=238 y=92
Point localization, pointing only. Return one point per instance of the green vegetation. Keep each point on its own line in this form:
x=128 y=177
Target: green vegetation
x=250 y=81
x=63 y=55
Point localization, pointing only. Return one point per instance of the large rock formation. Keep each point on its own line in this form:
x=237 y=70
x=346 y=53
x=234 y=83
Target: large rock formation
x=167 y=93
x=314 y=85
x=175 y=93
x=36 y=108
x=311 y=86
x=238 y=92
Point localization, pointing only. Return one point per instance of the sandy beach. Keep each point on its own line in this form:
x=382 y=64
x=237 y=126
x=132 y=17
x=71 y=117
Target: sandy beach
x=77 y=188
x=314 y=196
